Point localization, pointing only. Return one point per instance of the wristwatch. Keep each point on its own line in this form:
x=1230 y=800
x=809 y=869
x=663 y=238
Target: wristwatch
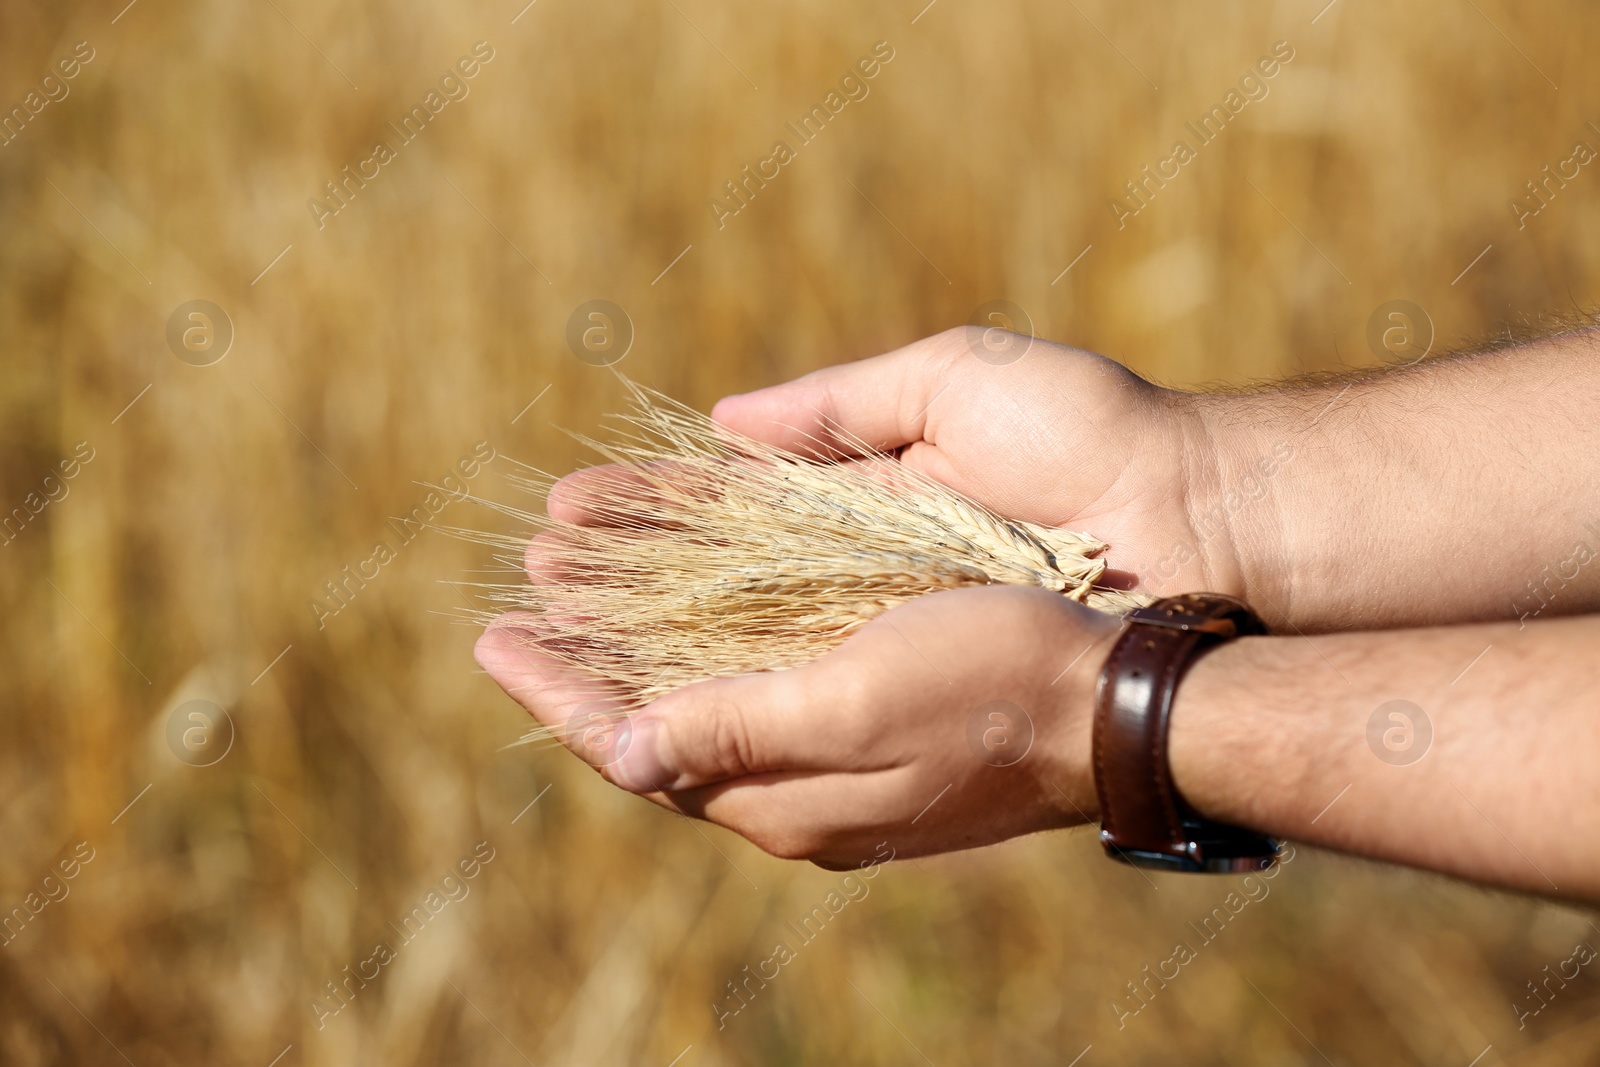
x=1143 y=819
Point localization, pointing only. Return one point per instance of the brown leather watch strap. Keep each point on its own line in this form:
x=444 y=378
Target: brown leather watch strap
x=1143 y=819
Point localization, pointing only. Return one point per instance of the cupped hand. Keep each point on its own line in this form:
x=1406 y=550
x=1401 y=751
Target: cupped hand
x=1057 y=436
x=952 y=721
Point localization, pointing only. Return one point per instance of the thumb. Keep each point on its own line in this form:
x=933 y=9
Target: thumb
x=728 y=728
x=880 y=403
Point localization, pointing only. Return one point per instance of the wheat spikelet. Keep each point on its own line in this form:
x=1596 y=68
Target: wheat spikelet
x=727 y=556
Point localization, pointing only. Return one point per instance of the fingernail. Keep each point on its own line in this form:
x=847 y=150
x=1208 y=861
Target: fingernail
x=495 y=649
x=640 y=769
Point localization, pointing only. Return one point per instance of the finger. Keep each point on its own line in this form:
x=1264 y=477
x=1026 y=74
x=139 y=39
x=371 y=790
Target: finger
x=581 y=496
x=826 y=715
x=803 y=719
x=582 y=713
x=616 y=494
x=883 y=402
x=574 y=709
x=560 y=558
x=548 y=558
x=806 y=815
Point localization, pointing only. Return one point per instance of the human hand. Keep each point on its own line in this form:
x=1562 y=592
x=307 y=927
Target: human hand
x=1060 y=436
x=952 y=721
x=1174 y=482
x=855 y=745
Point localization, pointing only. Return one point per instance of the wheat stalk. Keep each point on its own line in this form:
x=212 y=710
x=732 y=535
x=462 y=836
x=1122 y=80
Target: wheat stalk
x=728 y=556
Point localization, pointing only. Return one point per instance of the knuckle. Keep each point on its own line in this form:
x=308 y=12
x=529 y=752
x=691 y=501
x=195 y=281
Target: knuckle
x=730 y=741
x=841 y=698
x=943 y=360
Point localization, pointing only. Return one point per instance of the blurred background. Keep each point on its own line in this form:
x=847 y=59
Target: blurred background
x=240 y=746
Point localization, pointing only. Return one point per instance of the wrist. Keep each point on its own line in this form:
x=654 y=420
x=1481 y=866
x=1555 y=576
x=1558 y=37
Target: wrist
x=1067 y=676
x=1238 y=753
x=1145 y=819
x=1242 y=495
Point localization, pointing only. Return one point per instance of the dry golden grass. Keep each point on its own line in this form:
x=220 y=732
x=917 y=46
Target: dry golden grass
x=380 y=349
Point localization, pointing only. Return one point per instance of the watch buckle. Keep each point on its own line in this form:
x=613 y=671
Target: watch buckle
x=1193 y=857
x=1171 y=619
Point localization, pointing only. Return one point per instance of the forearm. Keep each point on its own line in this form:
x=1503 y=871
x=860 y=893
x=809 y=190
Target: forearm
x=1459 y=490
x=1278 y=734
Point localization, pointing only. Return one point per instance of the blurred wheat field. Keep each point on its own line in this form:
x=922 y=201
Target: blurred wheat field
x=378 y=350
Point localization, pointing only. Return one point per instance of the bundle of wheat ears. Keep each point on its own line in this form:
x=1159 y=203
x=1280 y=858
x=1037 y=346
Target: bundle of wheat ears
x=723 y=555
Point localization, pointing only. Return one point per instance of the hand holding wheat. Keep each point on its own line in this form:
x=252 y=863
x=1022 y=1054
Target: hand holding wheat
x=1062 y=437
x=716 y=555
x=709 y=550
